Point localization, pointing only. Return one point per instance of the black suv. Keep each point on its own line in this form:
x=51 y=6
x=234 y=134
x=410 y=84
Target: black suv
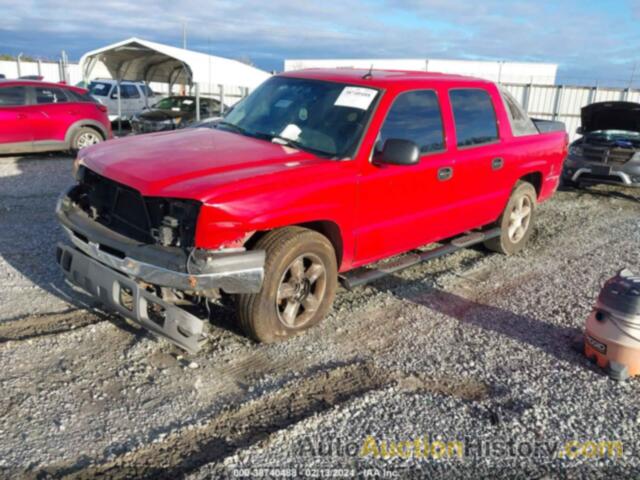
x=609 y=149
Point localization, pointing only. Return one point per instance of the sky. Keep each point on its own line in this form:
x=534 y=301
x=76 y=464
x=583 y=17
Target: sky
x=592 y=41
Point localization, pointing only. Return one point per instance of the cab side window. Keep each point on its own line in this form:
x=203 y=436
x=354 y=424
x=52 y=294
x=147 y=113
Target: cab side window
x=414 y=116
x=474 y=116
x=126 y=91
x=521 y=124
x=13 y=96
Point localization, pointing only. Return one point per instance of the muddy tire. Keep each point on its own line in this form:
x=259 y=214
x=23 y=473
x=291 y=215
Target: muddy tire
x=300 y=282
x=85 y=137
x=516 y=222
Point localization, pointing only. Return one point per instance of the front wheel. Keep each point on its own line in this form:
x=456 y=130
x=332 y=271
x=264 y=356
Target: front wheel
x=516 y=222
x=300 y=282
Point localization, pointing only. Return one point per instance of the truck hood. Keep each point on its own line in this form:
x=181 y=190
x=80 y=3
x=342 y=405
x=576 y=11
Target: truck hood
x=611 y=116
x=191 y=163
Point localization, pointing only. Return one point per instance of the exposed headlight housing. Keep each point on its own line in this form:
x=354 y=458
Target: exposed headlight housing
x=75 y=169
x=576 y=150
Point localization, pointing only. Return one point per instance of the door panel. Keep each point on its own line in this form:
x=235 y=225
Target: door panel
x=132 y=101
x=403 y=207
x=15 y=115
x=54 y=113
x=482 y=163
x=482 y=190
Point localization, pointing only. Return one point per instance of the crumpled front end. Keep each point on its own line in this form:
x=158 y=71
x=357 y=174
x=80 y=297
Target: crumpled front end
x=136 y=255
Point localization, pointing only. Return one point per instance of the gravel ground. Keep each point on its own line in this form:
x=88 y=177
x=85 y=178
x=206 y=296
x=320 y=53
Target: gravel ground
x=473 y=348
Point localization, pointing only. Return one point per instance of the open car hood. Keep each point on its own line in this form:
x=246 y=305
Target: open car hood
x=611 y=116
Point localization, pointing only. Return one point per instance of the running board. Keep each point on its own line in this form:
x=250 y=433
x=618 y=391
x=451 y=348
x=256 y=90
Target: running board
x=363 y=275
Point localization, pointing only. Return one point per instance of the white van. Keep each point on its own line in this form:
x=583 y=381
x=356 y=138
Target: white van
x=134 y=97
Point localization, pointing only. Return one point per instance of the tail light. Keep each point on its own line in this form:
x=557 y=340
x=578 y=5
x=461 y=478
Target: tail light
x=102 y=108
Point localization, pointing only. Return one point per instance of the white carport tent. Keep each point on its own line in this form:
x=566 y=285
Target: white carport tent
x=135 y=59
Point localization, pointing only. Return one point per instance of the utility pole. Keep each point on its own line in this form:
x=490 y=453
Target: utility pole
x=633 y=73
x=65 y=67
x=184 y=34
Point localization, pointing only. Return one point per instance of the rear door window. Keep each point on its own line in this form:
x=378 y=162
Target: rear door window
x=50 y=95
x=475 y=117
x=80 y=97
x=13 y=96
x=415 y=116
x=129 y=91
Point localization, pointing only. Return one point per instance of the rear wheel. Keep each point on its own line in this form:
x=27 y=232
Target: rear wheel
x=300 y=282
x=85 y=137
x=516 y=222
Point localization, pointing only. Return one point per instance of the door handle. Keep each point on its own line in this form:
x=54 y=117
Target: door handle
x=21 y=116
x=497 y=163
x=445 y=173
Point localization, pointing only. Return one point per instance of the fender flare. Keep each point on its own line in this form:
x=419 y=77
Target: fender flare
x=86 y=122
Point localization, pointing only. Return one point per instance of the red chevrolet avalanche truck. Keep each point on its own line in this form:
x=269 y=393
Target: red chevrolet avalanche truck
x=307 y=182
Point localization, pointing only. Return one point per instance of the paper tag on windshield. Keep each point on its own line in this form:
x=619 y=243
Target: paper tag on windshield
x=356 y=97
x=291 y=131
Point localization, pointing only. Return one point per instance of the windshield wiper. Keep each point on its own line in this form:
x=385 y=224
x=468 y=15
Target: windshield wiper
x=235 y=127
x=294 y=144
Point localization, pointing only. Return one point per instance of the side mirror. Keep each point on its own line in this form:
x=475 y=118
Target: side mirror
x=114 y=95
x=579 y=130
x=397 y=151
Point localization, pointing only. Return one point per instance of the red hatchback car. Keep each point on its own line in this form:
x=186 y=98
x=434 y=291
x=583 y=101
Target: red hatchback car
x=38 y=116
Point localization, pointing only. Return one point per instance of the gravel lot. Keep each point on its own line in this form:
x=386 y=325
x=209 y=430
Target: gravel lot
x=474 y=347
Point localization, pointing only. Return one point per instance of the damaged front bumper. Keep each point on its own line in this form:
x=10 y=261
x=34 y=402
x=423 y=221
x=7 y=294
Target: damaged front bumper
x=123 y=274
x=578 y=170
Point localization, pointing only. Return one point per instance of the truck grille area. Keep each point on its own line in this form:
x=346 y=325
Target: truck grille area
x=609 y=155
x=148 y=220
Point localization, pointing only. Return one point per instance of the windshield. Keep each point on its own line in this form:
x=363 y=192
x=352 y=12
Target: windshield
x=182 y=104
x=99 y=89
x=325 y=118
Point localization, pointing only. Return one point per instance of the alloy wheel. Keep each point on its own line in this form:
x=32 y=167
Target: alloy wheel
x=519 y=219
x=301 y=290
x=87 y=138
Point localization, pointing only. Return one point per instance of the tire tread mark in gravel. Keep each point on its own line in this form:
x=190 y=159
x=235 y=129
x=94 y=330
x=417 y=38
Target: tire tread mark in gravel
x=256 y=421
x=40 y=325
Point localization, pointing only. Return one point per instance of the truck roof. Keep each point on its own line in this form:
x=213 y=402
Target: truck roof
x=383 y=78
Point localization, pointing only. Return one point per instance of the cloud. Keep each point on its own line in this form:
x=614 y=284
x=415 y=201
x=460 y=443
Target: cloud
x=585 y=39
